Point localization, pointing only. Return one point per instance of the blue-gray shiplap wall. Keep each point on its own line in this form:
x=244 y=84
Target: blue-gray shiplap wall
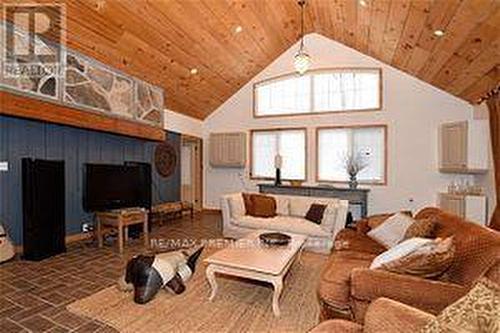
x=21 y=138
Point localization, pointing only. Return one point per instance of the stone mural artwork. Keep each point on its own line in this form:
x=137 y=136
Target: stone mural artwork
x=89 y=84
x=149 y=103
x=76 y=80
x=37 y=74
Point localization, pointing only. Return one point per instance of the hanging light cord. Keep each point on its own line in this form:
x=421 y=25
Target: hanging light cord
x=302 y=4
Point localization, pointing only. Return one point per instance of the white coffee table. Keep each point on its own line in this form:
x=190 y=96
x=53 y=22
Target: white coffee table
x=248 y=258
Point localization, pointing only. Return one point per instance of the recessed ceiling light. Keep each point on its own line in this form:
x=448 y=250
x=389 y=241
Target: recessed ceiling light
x=363 y=3
x=194 y=71
x=438 y=33
x=238 y=29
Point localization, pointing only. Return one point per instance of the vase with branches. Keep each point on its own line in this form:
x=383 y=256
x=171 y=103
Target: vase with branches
x=354 y=163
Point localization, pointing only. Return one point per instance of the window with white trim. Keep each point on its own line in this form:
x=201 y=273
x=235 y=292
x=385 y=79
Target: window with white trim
x=333 y=90
x=290 y=144
x=367 y=145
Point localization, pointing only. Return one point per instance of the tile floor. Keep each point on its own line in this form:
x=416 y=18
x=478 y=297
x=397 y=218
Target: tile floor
x=34 y=295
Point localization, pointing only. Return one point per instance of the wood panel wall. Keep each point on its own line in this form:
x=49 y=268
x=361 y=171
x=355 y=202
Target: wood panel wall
x=21 y=138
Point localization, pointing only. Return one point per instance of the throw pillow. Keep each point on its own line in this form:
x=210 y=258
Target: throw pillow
x=299 y=206
x=429 y=261
x=315 y=213
x=247 y=201
x=392 y=231
x=282 y=206
x=374 y=221
x=263 y=206
x=477 y=311
x=328 y=223
x=399 y=251
x=236 y=205
x=423 y=228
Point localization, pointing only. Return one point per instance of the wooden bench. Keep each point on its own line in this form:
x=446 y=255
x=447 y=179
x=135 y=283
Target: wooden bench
x=176 y=209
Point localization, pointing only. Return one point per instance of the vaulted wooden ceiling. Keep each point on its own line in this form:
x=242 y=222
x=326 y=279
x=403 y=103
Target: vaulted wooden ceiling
x=161 y=40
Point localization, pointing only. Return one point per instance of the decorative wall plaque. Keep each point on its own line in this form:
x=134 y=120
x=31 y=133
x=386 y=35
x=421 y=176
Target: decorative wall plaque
x=165 y=159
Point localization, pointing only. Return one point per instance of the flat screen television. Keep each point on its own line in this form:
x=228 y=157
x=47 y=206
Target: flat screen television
x=111 y=186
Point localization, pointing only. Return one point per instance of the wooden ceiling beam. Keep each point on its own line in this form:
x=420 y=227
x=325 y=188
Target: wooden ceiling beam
x=36 y=109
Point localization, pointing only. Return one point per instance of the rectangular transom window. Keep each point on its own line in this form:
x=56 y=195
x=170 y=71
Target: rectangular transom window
x=332 y=90
x=336 y=146
x=290 y=144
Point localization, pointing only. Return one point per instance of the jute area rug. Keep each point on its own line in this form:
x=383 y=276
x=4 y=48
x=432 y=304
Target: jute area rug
x=239 y=306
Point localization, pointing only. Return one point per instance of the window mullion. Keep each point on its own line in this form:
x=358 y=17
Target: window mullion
x=311 y=87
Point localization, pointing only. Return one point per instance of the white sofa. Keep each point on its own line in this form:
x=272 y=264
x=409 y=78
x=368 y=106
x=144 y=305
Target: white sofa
x=291 y=211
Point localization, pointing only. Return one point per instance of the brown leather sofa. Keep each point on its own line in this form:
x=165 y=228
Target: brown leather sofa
x=347 y=286
x=383 y=315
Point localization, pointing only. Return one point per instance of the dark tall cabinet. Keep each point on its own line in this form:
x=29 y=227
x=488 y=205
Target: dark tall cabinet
x=43 y=208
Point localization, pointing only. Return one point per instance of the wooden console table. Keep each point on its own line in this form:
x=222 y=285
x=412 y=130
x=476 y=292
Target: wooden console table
x=356 y=197
x=121 y=219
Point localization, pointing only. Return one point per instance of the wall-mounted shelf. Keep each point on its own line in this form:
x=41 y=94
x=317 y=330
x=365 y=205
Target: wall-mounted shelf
x=463 y=147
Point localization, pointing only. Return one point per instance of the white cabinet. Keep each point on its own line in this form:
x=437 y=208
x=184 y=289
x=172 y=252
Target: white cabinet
x=227 y=150
x=463 y=147
x=473 y=208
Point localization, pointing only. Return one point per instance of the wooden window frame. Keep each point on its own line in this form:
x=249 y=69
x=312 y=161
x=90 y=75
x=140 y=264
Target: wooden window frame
x=280 y=129
x=363 y=182
x=316 y=71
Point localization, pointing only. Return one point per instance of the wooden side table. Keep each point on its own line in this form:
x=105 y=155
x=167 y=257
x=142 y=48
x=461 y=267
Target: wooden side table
x=121 y=219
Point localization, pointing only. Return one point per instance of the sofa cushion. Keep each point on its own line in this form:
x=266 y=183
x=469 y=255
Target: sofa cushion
x=388 y=316
x=477 y=248
x=236 y=205
x=423 y=228
x=478 y=311
x=335 y=279
x=248 y=203
x=282 y=205
x=351 y=240
x=300 y=205
x=399 y=251
x=392 y=231
x=292 y=224
x=263 y=205
x=338 y=325
x=328 y=223
x=429 y=261
x=315 y=213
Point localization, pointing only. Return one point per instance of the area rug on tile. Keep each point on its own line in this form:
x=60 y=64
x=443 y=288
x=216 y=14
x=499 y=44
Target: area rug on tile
x=239 y=305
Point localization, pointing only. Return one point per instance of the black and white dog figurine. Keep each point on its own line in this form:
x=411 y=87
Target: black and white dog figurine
x=147 y=274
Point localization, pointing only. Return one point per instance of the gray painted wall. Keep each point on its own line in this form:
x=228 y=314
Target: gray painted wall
x=21 y=138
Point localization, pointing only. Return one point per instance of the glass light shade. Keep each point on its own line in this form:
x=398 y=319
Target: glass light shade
x=278 y=161
x=302 y=62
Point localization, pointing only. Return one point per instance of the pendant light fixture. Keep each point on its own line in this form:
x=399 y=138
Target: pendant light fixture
x=302 y=60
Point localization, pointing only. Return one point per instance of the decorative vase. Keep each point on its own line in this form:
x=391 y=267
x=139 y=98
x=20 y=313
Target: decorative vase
x=353 y=182
x=277 y=181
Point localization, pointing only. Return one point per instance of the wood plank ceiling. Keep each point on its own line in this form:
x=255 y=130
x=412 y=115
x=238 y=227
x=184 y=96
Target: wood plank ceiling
x=160 y=41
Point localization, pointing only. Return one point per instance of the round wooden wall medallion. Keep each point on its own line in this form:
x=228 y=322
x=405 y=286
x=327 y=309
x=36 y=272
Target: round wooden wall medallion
x=165 y=159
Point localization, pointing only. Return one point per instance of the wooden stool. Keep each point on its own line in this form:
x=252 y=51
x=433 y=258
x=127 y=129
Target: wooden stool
x=121 y=219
